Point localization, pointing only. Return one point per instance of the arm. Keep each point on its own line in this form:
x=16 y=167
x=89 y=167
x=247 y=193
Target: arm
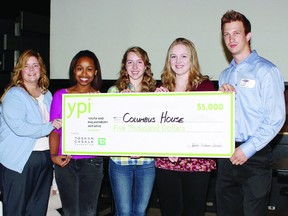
x=22 y=115
x=271 y=112
x=238 y=157
x=55 y=136
x=54 y=142
x=226 y=87
x=161 y=89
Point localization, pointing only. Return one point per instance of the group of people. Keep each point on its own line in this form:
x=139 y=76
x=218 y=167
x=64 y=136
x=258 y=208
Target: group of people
x=30 y=135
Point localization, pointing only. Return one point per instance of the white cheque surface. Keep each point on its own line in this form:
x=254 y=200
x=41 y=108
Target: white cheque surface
x=183 y=124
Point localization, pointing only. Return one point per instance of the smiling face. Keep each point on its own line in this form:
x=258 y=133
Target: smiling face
x=85 y=71
x=135 y=67
x=180 y=59
x=31 y=72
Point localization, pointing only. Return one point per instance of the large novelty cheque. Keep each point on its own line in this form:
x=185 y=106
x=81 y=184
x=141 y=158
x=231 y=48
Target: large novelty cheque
x=182 y=124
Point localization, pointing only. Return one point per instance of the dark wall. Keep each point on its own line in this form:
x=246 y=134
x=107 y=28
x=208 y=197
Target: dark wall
x=23 y=25
x=56 y=84
x=12 y=8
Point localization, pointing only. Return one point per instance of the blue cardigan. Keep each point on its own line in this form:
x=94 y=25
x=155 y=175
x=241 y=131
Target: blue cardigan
x=21 y=124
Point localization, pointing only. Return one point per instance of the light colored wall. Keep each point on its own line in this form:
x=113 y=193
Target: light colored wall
x=109 y=27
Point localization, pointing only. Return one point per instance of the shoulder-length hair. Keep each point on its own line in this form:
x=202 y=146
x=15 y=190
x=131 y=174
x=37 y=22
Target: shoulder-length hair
x=148 y=82
x=168 y=76
x=17 y=79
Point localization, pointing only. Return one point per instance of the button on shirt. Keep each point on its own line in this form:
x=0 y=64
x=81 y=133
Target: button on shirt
x=260 y=103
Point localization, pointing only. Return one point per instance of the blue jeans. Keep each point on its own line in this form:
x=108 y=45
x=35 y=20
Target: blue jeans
x=79 y=184
x=132 y=186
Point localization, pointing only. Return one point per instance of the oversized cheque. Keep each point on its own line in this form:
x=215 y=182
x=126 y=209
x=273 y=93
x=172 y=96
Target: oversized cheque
x=183 y=124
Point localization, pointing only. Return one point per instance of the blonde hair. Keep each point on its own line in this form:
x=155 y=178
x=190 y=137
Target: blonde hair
x=17 y=79
x=168 y=76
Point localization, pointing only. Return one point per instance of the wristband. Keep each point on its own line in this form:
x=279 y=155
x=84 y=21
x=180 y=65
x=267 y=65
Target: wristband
x=53 y=155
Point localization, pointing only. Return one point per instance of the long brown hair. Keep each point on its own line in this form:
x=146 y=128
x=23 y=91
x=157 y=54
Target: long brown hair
x=148 y=83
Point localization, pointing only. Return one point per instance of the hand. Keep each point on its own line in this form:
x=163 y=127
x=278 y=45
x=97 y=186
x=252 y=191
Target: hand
x=238 y=157
x=126 y=91
x=134 y=157
x=57 y=123
x=61 y=160
x=53 y=192
x=161 y=89
x=173 y=159
x=227 y=88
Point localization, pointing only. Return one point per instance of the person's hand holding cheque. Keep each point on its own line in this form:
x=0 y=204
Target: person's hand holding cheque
x=226 y=87
x=161 y=89
x=126 y=91
x=57 y=123
x=238 y=157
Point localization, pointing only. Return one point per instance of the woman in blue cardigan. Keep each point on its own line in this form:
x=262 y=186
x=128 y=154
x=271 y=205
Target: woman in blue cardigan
x=24 y=144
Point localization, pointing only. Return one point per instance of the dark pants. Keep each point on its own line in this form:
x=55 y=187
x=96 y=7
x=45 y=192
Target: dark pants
x=243 y=190
x=27 y=193
x=79 y=184
x=182 y=193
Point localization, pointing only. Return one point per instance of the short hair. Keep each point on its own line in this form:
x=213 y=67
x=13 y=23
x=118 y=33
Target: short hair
x=232 y=16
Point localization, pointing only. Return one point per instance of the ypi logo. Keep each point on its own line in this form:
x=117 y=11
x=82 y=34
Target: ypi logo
x=78 y=108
